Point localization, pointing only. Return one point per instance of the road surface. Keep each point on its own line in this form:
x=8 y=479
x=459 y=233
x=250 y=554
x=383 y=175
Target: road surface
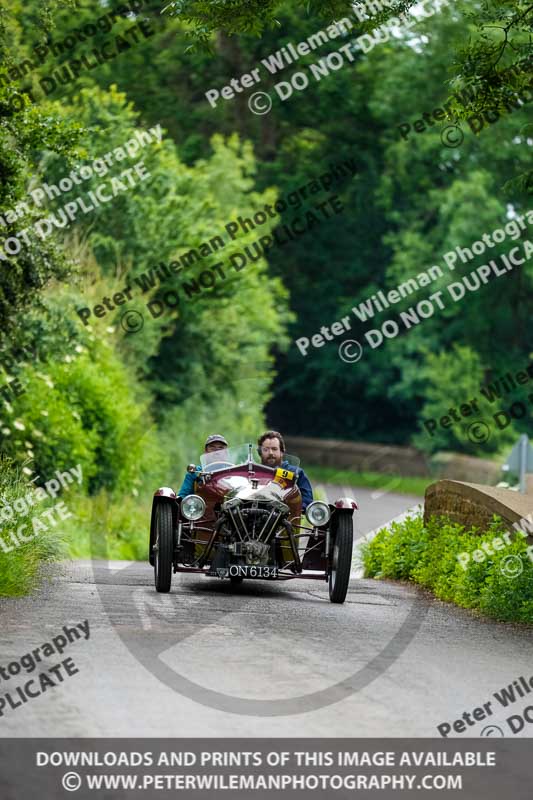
x=265 y=659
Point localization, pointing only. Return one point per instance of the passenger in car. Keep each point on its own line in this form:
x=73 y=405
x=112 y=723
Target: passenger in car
x=212 y=443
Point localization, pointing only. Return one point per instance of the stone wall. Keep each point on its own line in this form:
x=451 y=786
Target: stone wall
x=359 y=456
x=459 y=467
x=391 y=459
x=472 y=504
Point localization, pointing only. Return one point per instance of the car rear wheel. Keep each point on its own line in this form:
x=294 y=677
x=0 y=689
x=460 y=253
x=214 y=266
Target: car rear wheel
x=341 y=560
x=163 y=548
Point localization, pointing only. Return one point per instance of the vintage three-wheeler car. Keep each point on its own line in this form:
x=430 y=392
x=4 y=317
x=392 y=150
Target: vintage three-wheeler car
x=244 y=521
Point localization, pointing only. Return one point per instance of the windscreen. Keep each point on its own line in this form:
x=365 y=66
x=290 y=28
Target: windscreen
x=222 y=459
x=231 y=456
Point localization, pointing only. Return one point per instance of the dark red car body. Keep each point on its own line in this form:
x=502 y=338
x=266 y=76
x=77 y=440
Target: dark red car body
x=241 y=502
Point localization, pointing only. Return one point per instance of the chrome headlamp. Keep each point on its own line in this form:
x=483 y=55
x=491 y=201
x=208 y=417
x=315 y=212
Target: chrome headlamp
x=318 y=513
x=192 y=507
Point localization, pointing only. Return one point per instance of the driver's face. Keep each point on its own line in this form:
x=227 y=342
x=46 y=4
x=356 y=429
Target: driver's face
x=271 y=453
x=214 y=446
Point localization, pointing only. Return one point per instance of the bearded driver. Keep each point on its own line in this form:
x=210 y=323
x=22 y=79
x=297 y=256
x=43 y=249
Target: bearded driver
x=212 y=443
x=272 y=449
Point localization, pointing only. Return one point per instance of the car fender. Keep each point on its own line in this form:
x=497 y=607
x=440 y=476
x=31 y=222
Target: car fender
x=343 y=507
x=166 y=491
x=345 y=504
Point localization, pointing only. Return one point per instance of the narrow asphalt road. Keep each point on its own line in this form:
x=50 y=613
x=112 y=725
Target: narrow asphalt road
x=265 y=659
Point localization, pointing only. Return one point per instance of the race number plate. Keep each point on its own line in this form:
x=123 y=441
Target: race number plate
x=247 y=571
x=284 y=474
x=284 y=477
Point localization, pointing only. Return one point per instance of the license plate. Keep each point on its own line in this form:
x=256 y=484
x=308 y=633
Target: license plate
x=246 y=571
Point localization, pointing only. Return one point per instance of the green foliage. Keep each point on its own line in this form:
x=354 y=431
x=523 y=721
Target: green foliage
x=410 y=202
x=24 y=132
x=428 y=555
x=502 y=39
x=27 y=132
x=451 y=380
x=243 y=16
x=69 y=414
x=21 y=567
x=391 y=555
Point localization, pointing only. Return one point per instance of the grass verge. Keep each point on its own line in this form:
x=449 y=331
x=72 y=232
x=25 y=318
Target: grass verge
x=428 y=556
x=369 y=480
x=108 y=527
x=21 y=561
x=102 y=526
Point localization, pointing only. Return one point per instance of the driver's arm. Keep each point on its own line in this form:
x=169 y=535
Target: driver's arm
x=306 y=490
x=187 y=487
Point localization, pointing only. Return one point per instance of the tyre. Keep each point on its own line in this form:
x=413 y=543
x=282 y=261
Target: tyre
x=153 y=534
x=341 y=559
x=164 y=547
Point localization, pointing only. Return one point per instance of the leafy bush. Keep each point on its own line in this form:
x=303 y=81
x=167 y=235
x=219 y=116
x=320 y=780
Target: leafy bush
x=20 y=567
x=81 y=411
x=428 y=555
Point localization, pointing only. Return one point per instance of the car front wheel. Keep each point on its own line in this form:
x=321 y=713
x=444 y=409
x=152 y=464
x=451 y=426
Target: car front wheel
x=163 y=547
x=341 y=560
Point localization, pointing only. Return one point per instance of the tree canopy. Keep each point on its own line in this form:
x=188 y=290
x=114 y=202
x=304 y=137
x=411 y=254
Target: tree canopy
x=222 y=353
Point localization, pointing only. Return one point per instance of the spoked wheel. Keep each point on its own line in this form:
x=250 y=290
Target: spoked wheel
x=163 y=547
x=341 y=560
